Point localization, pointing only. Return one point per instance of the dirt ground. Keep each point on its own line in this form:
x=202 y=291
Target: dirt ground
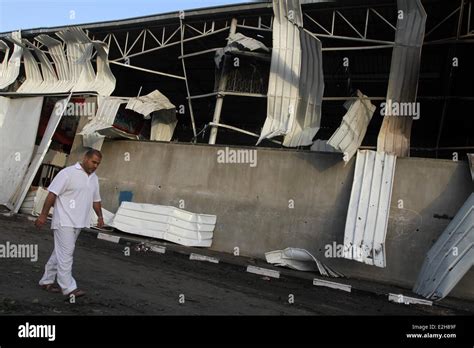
x=147 y=283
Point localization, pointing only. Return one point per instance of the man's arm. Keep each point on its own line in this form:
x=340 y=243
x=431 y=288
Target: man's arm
x=48 y=203
x=98 y=210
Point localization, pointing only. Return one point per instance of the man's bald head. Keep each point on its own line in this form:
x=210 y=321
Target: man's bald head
x=91 y=160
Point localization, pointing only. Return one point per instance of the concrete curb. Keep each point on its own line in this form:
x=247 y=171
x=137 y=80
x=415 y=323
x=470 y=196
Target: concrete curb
x=244 y=263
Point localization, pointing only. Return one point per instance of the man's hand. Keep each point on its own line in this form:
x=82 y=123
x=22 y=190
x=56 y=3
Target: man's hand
x=40 y=221
x=100 y=222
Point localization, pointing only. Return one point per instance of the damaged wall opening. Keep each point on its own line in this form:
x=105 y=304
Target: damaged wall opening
x=148 y=56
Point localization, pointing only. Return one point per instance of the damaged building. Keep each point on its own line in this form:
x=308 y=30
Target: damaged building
x=358 y=113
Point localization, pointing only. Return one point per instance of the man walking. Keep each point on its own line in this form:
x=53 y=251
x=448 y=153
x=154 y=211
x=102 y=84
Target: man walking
x=72 y=192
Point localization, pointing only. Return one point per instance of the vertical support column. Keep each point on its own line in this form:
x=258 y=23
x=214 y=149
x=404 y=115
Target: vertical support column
x=186 y=79
x=221 y=88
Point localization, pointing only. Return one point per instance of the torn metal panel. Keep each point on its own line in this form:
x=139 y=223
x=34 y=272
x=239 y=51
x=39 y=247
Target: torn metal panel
x=470 y=159
x=73 y=70
x=369 y=207
x=55 y=49
x=146 y=104
x=394 y=135
x=165 y=222
x=104 y=119
x=39 y=155
x=285 y=69
x=311 y=89
x=237 y=42
x=48 y=83
x=105 y=80
x=299 y=259
x=163 y=124
x=79 y=53
x=10 y=67
x=33 y=76
x=450 y=258
x=163 y=112
x=19 y=120
x=348 y=137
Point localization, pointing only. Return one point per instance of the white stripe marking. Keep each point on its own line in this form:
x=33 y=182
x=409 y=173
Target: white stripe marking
x=157 y=248
x=108 y=237
x=333 y=285
x=199 y=257
x=399 y=298
x=263 y=271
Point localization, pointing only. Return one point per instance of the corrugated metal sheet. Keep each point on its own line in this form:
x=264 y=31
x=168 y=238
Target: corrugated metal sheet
x=369 y=207
x=450 y=257
x=79 y=54
x=146 y=104
x=32 y=71
x=299 y=259
x=394 y=136
x=348 y=137
x=19 y=120
x=164 y=114
x=311 y=89
x=55 y=49
x=165 y=222
x=163 y=124
x=283 y=85
x=72 y=71
x=239 y=42
x=104 y=119
x=10 y=66
x=39 y=155
x=49 y=81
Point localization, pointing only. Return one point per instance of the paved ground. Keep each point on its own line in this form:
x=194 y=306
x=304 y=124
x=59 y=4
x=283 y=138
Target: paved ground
x=151 y=283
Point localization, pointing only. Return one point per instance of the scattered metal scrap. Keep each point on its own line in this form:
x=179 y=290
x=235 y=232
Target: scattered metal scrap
x=301 y=260
x=450 y=257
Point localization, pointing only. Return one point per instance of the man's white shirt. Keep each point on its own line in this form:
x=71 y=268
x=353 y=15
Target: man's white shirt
x=75 y=191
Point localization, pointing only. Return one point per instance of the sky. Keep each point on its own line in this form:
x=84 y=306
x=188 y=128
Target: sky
x=29 y=14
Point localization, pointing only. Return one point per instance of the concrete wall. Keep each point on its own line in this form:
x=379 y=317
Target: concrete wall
x=252 y=204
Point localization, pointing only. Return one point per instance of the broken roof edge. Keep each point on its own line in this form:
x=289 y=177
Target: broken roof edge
x=109 y=24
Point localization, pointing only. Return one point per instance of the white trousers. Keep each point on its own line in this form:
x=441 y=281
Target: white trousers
x=59 y=264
